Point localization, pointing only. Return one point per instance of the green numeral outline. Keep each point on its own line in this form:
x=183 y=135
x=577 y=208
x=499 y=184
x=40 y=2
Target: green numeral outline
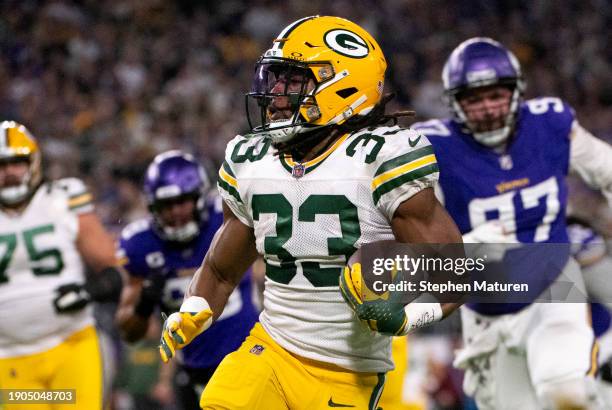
x=345 y=245
x=35 y=255
x=313 y=206
x=273 y=245
x=249 y=154
x=11 y=244
x=365 y=140
x=38 y=255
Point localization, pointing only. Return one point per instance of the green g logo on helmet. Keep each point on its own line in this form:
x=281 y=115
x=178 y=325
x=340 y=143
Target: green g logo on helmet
x=346 y=43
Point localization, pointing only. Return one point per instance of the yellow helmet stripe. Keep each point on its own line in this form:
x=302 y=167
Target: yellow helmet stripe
x=19 y=141
x=15 y=139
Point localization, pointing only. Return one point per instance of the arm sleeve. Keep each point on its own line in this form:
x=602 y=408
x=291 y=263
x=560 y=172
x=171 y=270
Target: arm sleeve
x=591 y=159
x=406 y=166
x=228 y=186
x=80 y=200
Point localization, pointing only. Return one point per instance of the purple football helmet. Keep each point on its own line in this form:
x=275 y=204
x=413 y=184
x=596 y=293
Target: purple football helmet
x=481 y=62
x=171 y=176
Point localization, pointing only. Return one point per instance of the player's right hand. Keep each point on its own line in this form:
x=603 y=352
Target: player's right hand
x=70 y=298
x=492 y=241
x=381 y=313
x=180 y=328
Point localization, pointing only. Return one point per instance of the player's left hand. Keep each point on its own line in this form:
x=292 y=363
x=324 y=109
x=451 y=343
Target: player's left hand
x=382 y=313
x=151 y=294
x=71 y=297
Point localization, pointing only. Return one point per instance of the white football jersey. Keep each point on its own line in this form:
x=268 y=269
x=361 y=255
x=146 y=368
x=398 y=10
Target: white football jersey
x=309 y=218
x=37 y=254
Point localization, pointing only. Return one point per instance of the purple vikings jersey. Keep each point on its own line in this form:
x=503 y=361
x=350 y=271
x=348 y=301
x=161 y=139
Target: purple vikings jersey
x=600 y=319
x=524 y=188
x=146 y=253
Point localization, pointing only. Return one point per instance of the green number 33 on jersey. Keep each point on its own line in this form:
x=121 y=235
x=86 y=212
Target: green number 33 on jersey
x=8 y=244
x=313 y=205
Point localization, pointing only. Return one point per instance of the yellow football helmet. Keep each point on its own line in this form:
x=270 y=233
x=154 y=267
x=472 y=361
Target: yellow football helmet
x=17 y=144
x=320 y=71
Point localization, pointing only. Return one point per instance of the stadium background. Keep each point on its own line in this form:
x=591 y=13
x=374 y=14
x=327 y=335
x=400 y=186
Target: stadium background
x=105 y=85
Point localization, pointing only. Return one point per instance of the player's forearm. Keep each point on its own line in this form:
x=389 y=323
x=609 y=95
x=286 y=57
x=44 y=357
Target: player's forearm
x=94 y=243
x=448 y=308
x=131 y=318
x=131 y=326
x=421 y=220
x=212 y=286
x=446 y=231
x=424 y=220
x=231 y=253
x=441 y=227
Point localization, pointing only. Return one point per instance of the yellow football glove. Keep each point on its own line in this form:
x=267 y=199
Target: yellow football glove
x=180 y=328
x=382 y=313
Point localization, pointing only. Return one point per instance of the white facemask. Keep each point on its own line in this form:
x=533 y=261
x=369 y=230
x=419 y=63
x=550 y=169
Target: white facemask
x=14 y=194
x=183 y=233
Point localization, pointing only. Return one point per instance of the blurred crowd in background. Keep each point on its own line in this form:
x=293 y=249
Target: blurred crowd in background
x=105 y=85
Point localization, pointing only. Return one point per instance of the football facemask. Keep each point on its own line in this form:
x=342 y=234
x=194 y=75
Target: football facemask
x=18 y=145
x=172 y=177
x=178 y=228
x=282 y=91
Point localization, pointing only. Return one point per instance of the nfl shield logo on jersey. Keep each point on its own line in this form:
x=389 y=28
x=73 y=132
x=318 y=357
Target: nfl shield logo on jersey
x=298 y=171
x=257 y=349
x=505 y=162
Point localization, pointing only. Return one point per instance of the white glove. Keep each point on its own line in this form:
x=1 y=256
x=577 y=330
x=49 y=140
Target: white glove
x=491 y=235
x=489 y=232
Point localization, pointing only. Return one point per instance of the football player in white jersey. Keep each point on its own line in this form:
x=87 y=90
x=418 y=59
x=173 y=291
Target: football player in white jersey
x=48 y=231
x=318 y=177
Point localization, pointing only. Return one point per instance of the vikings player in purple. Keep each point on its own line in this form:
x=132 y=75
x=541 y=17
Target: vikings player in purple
x=162 y=253
x=503 y=163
